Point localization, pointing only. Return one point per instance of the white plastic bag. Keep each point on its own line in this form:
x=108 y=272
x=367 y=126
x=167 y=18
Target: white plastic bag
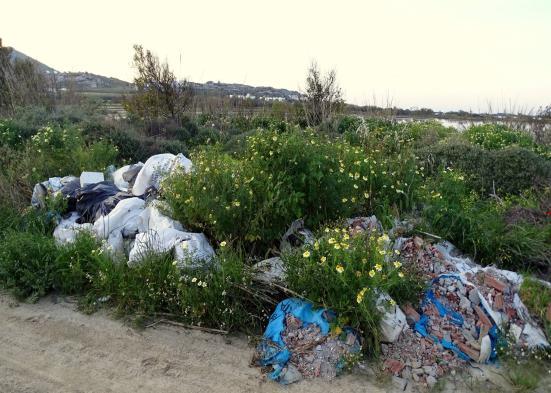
x=393 y=321
x=124 y=217
x=67 y=230
x=151 y=219
x=156 y=168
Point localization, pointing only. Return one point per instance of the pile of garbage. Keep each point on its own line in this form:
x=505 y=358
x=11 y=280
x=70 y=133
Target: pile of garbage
x=464 y=310
x=298 y=344
x=124 y=213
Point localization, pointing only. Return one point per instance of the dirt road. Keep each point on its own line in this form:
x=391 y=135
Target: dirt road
x=50 y=347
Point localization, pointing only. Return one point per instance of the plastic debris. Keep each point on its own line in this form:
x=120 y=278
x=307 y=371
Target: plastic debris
x=124 y=177
x=67 y=230
x=96 y=200
x=125 y=217
x=297 y=235
x=297 y=341
x=393 y=321
x=156 y=168
x=151 y=219
x=270 y=270
x=87 y=178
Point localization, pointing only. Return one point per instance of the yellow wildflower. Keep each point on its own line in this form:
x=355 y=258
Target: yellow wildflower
x=306 y=254
x=378 y=267
x=223 y=244
x=371 y=273
x=339 y=268
x=397 y=264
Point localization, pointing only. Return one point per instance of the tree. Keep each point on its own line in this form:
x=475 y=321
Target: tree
x=159 y=94
x=323 y=96
x=21 y=83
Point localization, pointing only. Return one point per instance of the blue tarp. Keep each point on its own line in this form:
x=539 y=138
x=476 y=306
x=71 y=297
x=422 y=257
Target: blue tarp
x=421 y=325
x=273 y=349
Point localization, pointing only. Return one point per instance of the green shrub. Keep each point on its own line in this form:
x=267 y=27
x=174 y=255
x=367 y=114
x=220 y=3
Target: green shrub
x=479 y=226
x=281 y=177
x=497 y=136
x=348 y=274
x=216 y=296
x=57 y=151
x=27 y=264
x=77 y=265
x=537 y=297
x=508 y=171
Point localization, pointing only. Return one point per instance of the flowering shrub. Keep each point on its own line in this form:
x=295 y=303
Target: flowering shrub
x=280 y=177
x=495 y=136
x=61 y=151
x=348 y=274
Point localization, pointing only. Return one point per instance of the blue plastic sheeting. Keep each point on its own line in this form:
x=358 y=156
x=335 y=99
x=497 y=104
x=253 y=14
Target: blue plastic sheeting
x=273 y=349
x=455 y=317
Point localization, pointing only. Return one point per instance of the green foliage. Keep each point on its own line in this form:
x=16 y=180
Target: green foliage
x=58 y=151
x=510 y=170
x=495 y=136
x=537 y=298
x=354 y=272
x=478 y=226
x=281 y=177
x=216 y=296
x=27 y=262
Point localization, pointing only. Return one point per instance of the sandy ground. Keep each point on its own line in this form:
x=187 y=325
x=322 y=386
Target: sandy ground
x=50 y=347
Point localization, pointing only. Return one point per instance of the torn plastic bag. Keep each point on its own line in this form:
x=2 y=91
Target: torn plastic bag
x=151 y=219
x=67 y=230
x=114 y=245
x=191 y=248
x=422 y=325
x=124 y=177
x=53 y=186
x=156 y=168
x=270 y=270
x=393 y=321
x=124 y=217
x=195 y=251
x=297 y=235
x=272 y=348
x=87 y=178
x=96 y=200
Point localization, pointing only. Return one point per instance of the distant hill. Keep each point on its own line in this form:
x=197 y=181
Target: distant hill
x=88 y=82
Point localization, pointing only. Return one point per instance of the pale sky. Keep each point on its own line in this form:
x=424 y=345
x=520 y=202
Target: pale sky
x=442 y=54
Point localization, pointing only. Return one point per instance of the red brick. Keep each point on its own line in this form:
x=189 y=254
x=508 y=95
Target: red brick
x=498 y=302
x=471 y=352
x=410 y=312
x=494 y=283
x=483 y=317
x=394 y=366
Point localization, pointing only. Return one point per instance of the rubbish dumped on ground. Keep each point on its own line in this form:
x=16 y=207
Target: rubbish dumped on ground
x=297 y=235
x=270 y=270
x=460 y=316
x=156 y=168
x=121 y=218
x=297 y=344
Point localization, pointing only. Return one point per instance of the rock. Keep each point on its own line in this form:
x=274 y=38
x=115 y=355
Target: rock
x=412 y=315
x=473 y=297
x=290 y=375
x=406 y=373
x=464 y=303
x=415 y=364
x=431 y=381
x=270 y=270
x=399 y=383
x=394 y=366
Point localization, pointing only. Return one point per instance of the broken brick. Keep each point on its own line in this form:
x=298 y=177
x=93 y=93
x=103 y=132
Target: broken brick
x=494 y=283
x=498 y=302
x=394 y=366
x=483 y=317
x=470 y=352
x=411 y=313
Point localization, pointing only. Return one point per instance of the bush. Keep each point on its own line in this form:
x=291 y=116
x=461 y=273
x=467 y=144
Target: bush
x=216 y=296
x=510 y=170
x=27 y=264
x=57 y=151
x=348 y=274
x=497 y=136
x=479 y=226
x=281 y=177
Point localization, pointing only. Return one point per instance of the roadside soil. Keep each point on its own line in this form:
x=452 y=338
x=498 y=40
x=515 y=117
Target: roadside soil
x=51 y=347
